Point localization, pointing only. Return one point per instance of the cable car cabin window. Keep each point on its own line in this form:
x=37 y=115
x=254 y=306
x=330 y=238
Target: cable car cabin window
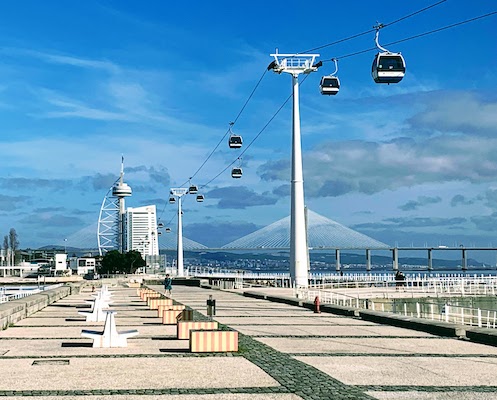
x=391 y=63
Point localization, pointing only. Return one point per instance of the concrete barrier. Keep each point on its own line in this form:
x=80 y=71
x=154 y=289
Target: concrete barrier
x=482 y=335
x=425 y=325
x=212 y=341
x=255 y=295
x=16 y=310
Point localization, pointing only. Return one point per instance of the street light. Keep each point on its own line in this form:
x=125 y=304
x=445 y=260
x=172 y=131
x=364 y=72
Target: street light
x=179 y=192
x=296 y=64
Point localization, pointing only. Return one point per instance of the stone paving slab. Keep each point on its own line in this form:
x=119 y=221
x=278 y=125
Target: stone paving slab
x=335 y=330
x=83 y=347
x=377 y=346
x=421 y=371
x=284 y=320
x=217 y=396
x=411 y=395
x=79 y=320
x=133 y=373
x=61 y=332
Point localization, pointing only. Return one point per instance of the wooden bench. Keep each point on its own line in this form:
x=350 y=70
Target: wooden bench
x=171 y=317
x=212 y=341
x=154 y=302
x=148 y=295
x=110 y=337
x=184 y=327
x=161 y=308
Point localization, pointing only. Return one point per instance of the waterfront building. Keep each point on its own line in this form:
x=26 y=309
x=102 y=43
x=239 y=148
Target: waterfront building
x=141 y=230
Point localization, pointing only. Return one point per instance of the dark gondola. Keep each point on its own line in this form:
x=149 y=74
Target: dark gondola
x=193 y=189
x=388 y=68
x=330 y=85
x=236 y=173
x=235 y=141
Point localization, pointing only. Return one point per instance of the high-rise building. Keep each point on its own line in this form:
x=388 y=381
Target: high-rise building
x=141 y=230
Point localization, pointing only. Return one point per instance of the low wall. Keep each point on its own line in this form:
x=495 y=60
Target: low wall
x=15 y=310
x=478 y=335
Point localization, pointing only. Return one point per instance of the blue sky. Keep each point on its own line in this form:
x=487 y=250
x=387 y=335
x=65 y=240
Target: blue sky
x=83 y=83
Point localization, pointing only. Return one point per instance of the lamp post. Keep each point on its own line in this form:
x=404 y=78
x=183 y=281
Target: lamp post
x=296 y=64
x=179 y=193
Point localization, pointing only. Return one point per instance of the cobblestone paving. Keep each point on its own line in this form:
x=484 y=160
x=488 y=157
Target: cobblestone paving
x=295 y=376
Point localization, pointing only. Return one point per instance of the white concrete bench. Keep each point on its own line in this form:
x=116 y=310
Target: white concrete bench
x=110 y=337
x=97 y=313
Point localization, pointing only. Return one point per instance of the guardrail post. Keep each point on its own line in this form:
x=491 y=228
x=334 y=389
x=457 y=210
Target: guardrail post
x=479 y=317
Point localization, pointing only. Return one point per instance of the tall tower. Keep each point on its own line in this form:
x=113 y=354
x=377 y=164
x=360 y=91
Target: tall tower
x=120 y=191
x=112 y=217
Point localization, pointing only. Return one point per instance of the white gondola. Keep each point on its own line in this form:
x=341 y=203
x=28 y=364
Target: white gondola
x=235 y=141
x=330 y=84
x=236 y=172
x=172 y=200
x=159 y=233
x=193 y=189
x=387 y=67
x=168 y=230
x=160 y=225
x=200 y=198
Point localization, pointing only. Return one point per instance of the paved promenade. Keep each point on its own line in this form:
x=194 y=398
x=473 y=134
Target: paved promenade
x=286 y=353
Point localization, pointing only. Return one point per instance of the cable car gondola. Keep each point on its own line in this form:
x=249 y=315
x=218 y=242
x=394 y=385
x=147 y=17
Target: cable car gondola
x=160 y=225
x=172 y=200
x=200 y=198
x=193 y=189
x=235 y=141
x=387 y=67
x=168 y=230
x=330 y=84
x=236 y=172
x=159 y=233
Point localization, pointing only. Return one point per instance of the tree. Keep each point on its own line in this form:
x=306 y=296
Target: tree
x=133 y=261
x=115 y=262
x=13 y=243
x=112 y=262
x=6 y=248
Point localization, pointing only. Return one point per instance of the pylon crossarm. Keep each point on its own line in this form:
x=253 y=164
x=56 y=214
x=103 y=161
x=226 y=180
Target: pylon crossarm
x=294 y=63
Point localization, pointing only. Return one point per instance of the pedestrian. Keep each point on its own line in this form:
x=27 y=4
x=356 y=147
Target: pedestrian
x=168 y=285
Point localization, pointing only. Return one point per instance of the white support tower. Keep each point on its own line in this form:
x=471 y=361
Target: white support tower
x=296 y=64
x=111 y=220
x=179 y=193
